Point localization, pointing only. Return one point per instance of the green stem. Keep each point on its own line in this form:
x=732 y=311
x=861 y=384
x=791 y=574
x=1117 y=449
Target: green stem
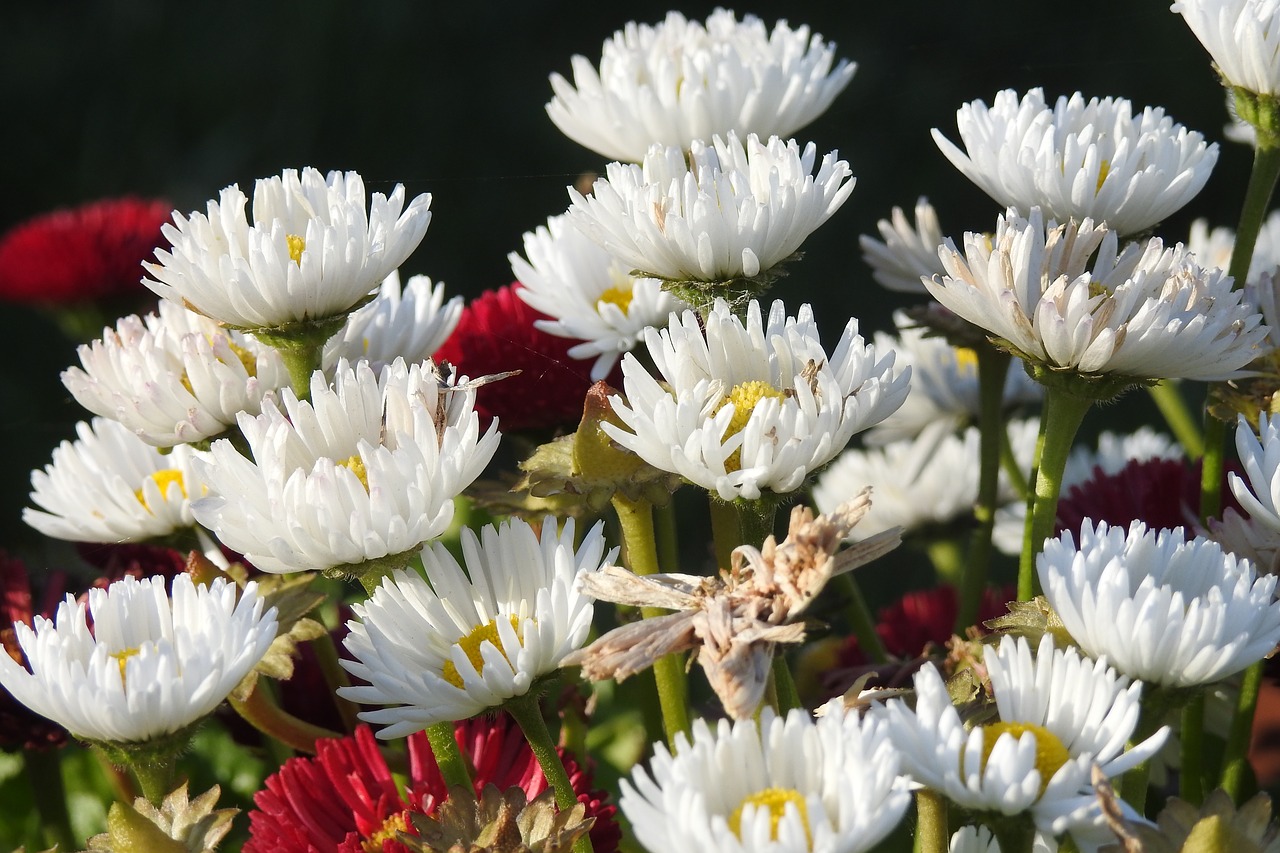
x=784 y=684
x=1013 y=473
x=528 y=715
x=638 y=539
x=301 y=362
x=993 y=368
x=948 y=560
x=725 y=531
x=261 y=712
x=1212 y=466
x=861 y=622
x=155 y=779
x=335 y=677
x=1014 y=833
x=664 y=524
x=1235 y=757
x=44 y=773
x=1157 y=704
x=1167 y=396
x=932 y=833
x=755 y=520
x=444 y=748
x=1192 y=770
x=1061 y=419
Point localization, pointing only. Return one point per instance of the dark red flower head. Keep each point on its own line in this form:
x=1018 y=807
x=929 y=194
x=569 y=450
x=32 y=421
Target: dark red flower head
x=19 y=727
x=81 y=254
x=345 y=799
x=496 y=334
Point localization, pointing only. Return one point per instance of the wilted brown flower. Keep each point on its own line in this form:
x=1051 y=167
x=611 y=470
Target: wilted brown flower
x=732 y=621
x=498 y=822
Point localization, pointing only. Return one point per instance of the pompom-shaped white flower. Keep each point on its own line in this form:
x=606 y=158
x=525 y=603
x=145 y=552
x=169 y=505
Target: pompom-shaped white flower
x=110 y=486
x=1259 y=490
x=783 y=784
x=466 y=642
x=944 y=383
x=751 y=405
x=150 y=665
x=1213 y=248
x=729 y=211
x=365 y=470
x=680 y=80
x=311 y=253
x=409 y=323
x=1242 y=37
x=1059 y=715
x=1145 y=313
x=588 y=294
x=908 y=252
x=1160 y=608
x=174 y=377
x=1080 y=159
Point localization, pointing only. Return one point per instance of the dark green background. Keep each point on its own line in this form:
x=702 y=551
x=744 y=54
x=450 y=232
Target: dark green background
x=180 y=99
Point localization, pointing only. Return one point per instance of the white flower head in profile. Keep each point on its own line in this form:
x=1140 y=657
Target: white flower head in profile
x=463 y=642
x=741 y=406
x=1160 y=608
x=1241 y=36
x=1080 y=159
x=174 y=377
x=1059 y=714
x=151 y=666
x=409 y=323
x=907 y=252
x=783 y=785
x=311 y=253
x=682 y=80
x=110 y=486
x=1258 y=491
x=365 y=471
x=723 y=211
x=587 y=294
x=1065 y=300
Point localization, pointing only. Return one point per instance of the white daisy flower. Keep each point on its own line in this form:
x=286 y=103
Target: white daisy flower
x=780 y=785
x=1259 y=490
x=110 y=486
x=1079 y=159
x=680 y=80
x=150 y=666
x=174 y=377
x=365 y=470
x=409 y=323
x=468 y=641
x=1144 y=313
x=944 y=383
x=729 y=211
x=312 y=252
x=747 y=406
x=1213 y=247
x=1242 y=37
x=588 y=294
x=1160 y=608
x=1059 y=715
x=908 y=252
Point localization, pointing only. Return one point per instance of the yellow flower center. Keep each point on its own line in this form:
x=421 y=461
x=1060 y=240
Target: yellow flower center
x=775 y=800
x=248 y=359
x=162 y=478
x=355 y=465
x=296 y=246
x=387 y=832
x=1102 y=175
x=619 y=295
x=1050 y=752
x=966 y=360
x=744 y=398
x=471 y=645
x=121 y=658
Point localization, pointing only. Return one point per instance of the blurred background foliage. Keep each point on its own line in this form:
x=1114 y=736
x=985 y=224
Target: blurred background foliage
x=178 y=100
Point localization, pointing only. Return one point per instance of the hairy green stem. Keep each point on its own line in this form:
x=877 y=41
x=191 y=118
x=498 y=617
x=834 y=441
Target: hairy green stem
x=932 y=833
x=725 y=531
x=528 y=715
x=444 y=748
x=1063 y=414
x=1235 y=757
x=1191 y=787
x=1167 y=396
x=993 y=368
x=260 y=711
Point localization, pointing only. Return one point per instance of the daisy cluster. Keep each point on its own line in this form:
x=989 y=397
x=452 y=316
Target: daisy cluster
x=313 y=435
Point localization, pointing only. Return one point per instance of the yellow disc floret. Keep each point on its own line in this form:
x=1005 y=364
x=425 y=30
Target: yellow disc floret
x=744 y=398
x=619 y=295
x=1103 y=171
x=355 y=465
x=296 y=246
x=122 y=658
x=162 y=478
x=775 y=800
x=471 y=645
x=389 y=831
x=1050 y=752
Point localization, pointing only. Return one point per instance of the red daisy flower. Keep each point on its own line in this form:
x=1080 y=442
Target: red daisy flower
x=20 y=728
x=345 y=798
x=496 y=334
x=81 y=254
